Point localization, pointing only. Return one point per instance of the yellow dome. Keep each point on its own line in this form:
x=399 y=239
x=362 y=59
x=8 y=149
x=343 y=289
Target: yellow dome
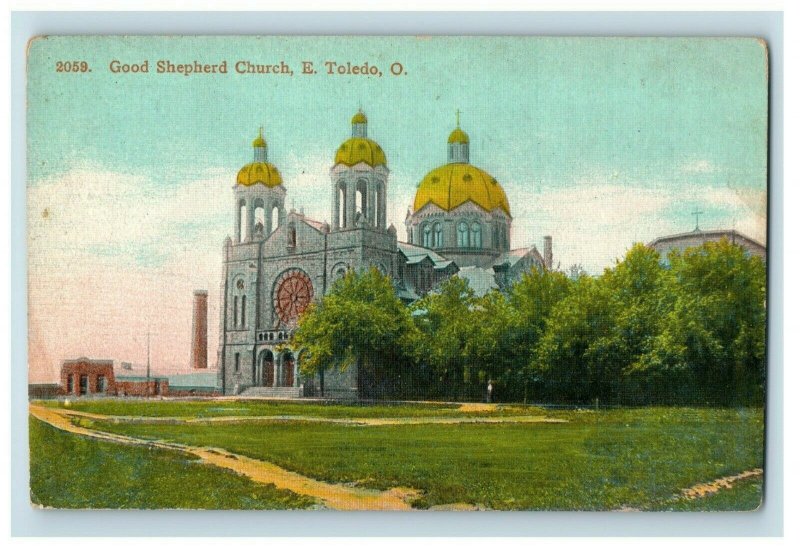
x=360 y=149
x=451 y=185
x=458 y=136
x=359 y=118
x=259 y=172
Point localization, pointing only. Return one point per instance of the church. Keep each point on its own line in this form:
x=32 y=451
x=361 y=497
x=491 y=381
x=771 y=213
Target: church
x=279 y=261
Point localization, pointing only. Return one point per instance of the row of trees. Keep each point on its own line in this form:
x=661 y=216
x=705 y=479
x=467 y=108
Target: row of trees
x=691 y=330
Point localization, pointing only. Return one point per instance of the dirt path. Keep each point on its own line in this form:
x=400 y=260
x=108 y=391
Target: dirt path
x=332 y=495
x=395 y=421
x=704 y=489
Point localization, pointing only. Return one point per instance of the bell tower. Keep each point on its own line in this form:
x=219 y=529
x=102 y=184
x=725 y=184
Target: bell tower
x=259 y=197
x=358 y=181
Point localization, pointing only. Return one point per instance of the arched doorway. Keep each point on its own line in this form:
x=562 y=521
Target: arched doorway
x=287 y=370
x=264 y=374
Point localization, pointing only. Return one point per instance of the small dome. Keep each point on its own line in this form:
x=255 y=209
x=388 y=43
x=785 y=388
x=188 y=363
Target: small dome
x=451 y=185
x=359 y=118
x=458 y=136
x=259 y=173
x=360 y=149
x=259 y=141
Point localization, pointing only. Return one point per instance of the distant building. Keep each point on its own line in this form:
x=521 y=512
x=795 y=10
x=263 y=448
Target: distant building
x=84 y=377
x=194 y=384
x=698 y=237
x=43 y=391
x=87 y=377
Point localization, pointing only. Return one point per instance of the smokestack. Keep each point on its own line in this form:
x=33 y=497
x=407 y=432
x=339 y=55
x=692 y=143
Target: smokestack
x=548 y=252
x=200 y=330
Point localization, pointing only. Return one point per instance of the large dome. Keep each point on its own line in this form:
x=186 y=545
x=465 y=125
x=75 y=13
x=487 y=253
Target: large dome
x=451 y=185
x=360 y=149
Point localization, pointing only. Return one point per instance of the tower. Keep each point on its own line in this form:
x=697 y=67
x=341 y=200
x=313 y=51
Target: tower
x=199 y=358
x=358 y=181
x=259 y=197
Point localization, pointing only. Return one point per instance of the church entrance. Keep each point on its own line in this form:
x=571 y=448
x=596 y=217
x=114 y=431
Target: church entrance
x=288 y=369
x=265 y=370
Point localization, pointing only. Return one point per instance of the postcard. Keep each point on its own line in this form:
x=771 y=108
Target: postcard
x=397 y=273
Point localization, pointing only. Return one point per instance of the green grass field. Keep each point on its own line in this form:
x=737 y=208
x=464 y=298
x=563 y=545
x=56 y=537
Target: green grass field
x=602 y=460
x=242 y=408
x=68 y=471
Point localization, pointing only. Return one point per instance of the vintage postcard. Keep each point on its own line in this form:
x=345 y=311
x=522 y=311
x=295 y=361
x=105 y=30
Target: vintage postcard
x=397 y=273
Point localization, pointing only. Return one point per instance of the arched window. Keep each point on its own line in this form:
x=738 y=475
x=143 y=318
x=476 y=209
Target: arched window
x=274 y=219
x=437 y=235
x=475 y=241
x=361 y=199
x=259 y=219
x=463 y=234
x=426 y=235
x=292 y=236
x=235 y=311
x=102 y=383
x=243 y=323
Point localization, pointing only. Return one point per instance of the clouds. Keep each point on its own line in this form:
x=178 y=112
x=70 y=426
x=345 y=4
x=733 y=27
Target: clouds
x=594 y=222
x=698 y=166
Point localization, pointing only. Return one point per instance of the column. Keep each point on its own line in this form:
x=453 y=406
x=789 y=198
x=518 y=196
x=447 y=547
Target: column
x=275 y=369
x=350 y=203
x=382 y=205
x=296 y=356
x=251 y=219
x=236 y=216
x=372 y=218
x=335 y=207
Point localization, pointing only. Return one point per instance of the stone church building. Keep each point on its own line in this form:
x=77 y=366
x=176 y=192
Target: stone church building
x=279 y=261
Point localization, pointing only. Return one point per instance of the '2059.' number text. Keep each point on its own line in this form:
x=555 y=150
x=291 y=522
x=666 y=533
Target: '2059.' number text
x=72 y=66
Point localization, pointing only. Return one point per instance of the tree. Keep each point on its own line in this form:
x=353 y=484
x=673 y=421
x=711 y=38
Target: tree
x=360 y=323
x=601 y=329
x=714 y=336
x=446 y=326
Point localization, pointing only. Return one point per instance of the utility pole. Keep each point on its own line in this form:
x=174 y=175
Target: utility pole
x=147 y=385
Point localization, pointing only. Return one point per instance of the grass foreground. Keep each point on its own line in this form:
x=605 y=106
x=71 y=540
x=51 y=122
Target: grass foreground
x=69 y=471
x=604 y=460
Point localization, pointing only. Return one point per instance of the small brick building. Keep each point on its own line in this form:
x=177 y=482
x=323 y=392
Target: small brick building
x=87 y=377
x=83 y=377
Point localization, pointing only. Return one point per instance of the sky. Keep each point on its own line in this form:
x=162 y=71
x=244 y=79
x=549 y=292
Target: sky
x=598 y=142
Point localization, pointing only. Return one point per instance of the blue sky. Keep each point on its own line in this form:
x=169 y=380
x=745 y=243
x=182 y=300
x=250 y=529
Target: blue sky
x=598 y=142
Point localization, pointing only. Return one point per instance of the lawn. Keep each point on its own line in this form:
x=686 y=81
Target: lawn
x=597 y=461
x=68 y=471
x=267 y=408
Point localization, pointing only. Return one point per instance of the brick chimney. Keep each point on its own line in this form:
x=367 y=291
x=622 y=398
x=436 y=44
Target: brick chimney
x=548 y=252
x=200 y=330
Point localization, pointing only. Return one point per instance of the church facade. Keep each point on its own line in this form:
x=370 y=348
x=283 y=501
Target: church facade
x=278 y=262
